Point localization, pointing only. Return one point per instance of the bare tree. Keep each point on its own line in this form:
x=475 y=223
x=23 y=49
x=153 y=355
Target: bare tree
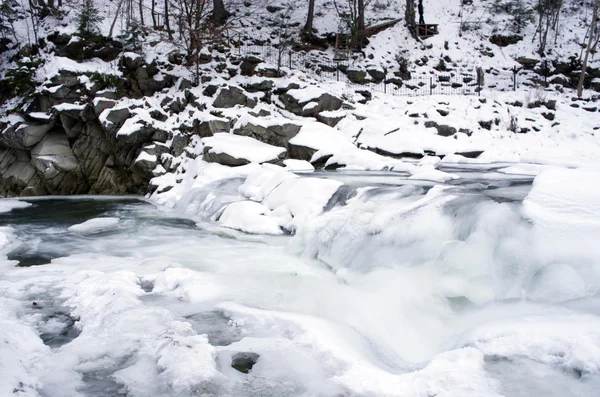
x=167 y=25
x=141 y=5
x=548 y=15
x=352 y=16
x=196 y=29
x=593 y=35
x=308 y=27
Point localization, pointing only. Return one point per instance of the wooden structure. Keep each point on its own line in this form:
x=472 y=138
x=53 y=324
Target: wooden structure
x=342 y=47
x=419 y=31
x=426 y=30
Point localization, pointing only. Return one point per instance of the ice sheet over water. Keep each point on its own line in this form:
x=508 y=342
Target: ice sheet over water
x=395 y=288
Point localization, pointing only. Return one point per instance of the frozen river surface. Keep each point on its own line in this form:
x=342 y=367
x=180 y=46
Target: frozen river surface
x=399 y=288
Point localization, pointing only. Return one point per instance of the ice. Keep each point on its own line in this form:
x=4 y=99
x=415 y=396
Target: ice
x=389 y=287
x=7 y=205
x=95 y=225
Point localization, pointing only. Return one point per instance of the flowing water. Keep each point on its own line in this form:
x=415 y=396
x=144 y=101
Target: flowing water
x=400 y=288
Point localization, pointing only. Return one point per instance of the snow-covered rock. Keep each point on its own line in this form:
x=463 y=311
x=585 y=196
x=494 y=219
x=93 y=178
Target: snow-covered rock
x=235 y=150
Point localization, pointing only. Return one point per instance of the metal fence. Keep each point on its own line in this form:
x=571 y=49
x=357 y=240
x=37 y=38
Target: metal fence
x=323 y=68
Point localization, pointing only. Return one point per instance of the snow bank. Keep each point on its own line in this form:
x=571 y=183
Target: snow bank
x=564 y=206
x=95 y=225
x=571 y=342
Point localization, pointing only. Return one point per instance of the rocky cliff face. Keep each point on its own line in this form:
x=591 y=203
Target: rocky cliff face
x=67 y=139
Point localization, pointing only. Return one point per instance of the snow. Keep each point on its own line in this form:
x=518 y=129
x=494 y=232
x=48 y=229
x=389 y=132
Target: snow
x=298 y=165
x=242 y=147
x=306 y=94
x=145 y=156
x=95 y=225
x=249 y=217
x=564 y=206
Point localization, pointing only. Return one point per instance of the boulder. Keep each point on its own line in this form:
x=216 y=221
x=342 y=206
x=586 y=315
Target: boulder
x=259 y=86
x=272 y=132
x=528 y=63
x=357 y=76
x=112 y=119
x=23 y=136
x=505 y=40
x=243 y=362
x=54 y=155
x=331 y=118
x=376 y=74
x=309 y=102
x=235 y=150
x=231 y=97
x=211 y=127
x=442 y=130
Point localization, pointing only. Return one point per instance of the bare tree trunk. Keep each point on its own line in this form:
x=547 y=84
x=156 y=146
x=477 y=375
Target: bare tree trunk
x=112 y=25
x=167 y=20
x=593 y=33
x=141 y=12
x=310 y=17
x=220 y=14
x=153 y=7
x=360 y=23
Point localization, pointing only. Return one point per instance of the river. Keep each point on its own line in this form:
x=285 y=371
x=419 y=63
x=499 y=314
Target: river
x=399 y=288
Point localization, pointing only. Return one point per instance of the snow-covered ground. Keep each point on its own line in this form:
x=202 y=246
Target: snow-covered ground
x=484 y=285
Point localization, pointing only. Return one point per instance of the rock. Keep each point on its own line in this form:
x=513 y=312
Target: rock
x=548 y=115
x=23 y=136
x=300 y=152
x=210 y=127
x=505 y=40
x=53 y=154
x=471 y=155
x=528 y=63
x=443 y=112
x=395 y=81
x=269 y=132
x=297 y=102
x=331 y=118
x=551 y=104
x=115 y=118
x=377 y=75
x=357 y=76
x=485 y=124
x=101 y=104
x=260 y=86
x=560 y=80
x=442 y=130
x=131 y=61
x=285 y=88
x=367 y=96
x=231 y=97
x=234 y=150
x=144 y=164
x=158 y=115
x=179 y=143
x=210 y=90
x=244 y=362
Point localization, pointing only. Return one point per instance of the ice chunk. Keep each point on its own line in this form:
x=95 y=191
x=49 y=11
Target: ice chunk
x=94 y=225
